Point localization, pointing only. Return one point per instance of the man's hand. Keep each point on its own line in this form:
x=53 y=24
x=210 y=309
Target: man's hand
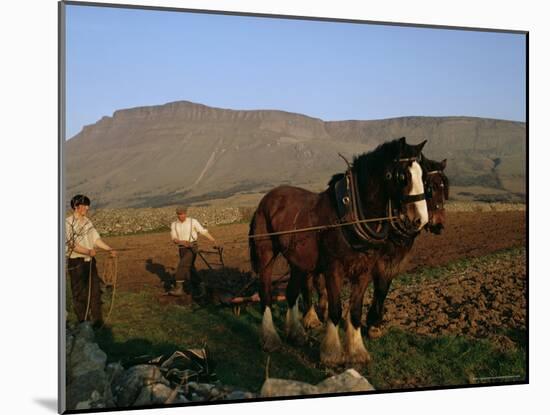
x=113 y=253
x=92 y=252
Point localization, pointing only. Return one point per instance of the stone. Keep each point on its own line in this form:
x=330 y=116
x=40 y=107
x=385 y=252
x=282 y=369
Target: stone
x=239 y=395
x=155 y=394
x=127 y=387
x=86 y=379
x=283 y=387
x=348 y=381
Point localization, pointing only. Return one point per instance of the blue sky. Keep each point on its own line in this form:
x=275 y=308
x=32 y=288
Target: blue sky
x=123 y=58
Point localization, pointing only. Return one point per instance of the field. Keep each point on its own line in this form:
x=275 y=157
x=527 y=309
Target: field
x=457 y=316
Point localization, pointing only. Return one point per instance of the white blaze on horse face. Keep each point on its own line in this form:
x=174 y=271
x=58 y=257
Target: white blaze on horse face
x=417 y=188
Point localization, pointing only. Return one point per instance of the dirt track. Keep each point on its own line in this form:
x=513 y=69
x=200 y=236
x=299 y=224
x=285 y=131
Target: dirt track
x=146 y=259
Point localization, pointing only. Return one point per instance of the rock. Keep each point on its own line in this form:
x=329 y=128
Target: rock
x=155 y=394
x=239 y=395
x=95 y=401
x=85 y=331
x=203 y=389
x=348 y=381
x=195 y=397
x=69 y=344
x=114 y=371
x=127 y=387
x=86 y=379
x=283 y=387
x=87 y=358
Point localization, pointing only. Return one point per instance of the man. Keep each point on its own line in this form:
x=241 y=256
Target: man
x=184 y=233
x=81 y=241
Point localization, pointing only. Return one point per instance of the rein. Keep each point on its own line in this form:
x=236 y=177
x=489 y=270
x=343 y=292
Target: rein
x=322 y=227
x=351 y=210
x=110 y=276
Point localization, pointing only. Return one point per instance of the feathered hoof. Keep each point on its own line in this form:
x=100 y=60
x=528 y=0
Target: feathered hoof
x=332 y=358
x=374 y=332
x=271 y=342
x=311 y=320
x=331 y=353
x=359 y=357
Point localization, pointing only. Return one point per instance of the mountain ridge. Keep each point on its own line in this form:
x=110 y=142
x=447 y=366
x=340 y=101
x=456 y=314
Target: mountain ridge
x=183 y=151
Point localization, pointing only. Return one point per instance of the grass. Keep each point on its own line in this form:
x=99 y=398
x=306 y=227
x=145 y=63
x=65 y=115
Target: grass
x=405 y=360
x=142 y=325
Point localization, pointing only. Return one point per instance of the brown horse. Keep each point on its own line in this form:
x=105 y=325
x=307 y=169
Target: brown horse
x=391 y=256
x=389 y=175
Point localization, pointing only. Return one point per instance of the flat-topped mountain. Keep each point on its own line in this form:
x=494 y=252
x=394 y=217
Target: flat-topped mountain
x=184 y=152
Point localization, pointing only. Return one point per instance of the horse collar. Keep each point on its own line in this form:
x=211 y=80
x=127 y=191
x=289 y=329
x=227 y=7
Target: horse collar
x=350 y=209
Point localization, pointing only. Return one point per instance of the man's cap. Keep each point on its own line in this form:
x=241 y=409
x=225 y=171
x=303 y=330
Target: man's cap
x=181 y=209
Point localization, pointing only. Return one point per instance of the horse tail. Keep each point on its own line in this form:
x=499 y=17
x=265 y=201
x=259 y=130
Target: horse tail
x=254 y=259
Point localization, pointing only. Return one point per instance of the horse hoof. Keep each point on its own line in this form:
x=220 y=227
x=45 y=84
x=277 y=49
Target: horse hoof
x=311 y=320
x=374 y=332
x=359 y=358
x=332 y=359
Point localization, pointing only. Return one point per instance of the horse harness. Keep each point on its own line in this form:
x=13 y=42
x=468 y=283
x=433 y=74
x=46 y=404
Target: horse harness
x=359 y=235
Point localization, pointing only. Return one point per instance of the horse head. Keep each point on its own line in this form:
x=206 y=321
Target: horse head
x=404 y=178
x=436 y=185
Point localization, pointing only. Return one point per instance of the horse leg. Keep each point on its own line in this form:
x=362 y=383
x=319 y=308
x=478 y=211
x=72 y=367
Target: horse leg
x=269 y=337
x=382 y=282
x=331 y=348
x=321 y=288
x=311 y=319
x=354 y=345
x=294 y=329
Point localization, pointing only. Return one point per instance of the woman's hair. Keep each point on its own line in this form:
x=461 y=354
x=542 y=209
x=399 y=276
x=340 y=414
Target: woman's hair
x=79 y=200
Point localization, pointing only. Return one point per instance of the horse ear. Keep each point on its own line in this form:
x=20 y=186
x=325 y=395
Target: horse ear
x=420 y=146
x=443 y=164
x=402 y=141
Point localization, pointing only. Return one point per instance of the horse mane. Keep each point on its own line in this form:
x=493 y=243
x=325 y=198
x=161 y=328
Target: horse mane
x=374 y=161
x=335 y=179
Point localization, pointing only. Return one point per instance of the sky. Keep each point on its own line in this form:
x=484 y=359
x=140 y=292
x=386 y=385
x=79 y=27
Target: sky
x=124 y=58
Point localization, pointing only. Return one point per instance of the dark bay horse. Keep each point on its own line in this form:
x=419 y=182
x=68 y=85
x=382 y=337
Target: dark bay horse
x=391 y=256
x=389 y=174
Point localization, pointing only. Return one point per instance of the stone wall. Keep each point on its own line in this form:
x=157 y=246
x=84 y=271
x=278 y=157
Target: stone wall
x=110 y=222
x=129 y=221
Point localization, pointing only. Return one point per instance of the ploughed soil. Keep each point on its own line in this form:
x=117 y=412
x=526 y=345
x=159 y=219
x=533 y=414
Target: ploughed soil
x=149 y=260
